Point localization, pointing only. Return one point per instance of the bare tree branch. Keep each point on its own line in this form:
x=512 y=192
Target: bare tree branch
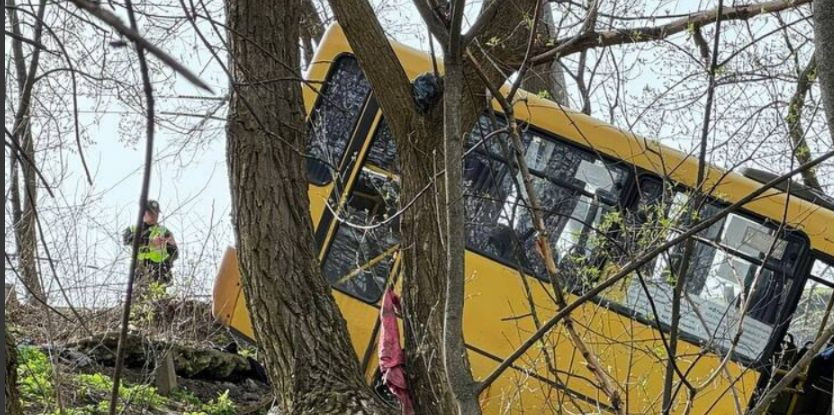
x=802 y=152
x=433 y=21
x=824 y=42
x=113 y=21
x=689 y=245
x=485 y=18
x=650 y=33
x=29 y=42
x=143 y=200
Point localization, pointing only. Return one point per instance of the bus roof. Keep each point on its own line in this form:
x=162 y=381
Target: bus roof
x=816 y=221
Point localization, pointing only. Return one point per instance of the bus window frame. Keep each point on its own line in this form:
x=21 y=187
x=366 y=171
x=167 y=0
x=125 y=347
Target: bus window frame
x=621 y=202
x=800 y=276
x=338 y=224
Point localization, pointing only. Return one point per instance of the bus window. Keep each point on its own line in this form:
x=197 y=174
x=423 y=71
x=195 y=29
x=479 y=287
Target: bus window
x=383 y=151
x=358 y=260
x=334 y=118
x=576 y=190
x=813 y=305
x=737 y=264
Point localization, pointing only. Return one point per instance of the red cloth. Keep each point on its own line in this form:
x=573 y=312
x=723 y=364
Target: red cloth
x=391 y=357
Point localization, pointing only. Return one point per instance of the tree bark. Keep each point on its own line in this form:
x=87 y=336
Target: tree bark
x=824 y=55
x=456 y=363
x=298 y=326
x=24 y=200
x=547 y=77
x=10 y=376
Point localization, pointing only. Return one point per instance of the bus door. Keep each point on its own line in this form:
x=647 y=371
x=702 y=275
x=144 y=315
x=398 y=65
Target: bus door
x=354 y=234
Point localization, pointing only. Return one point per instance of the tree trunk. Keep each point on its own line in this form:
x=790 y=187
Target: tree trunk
x=298 y=326
x=420 y=148
x=455 y=359
x=801 y=152
x=824 y=55
x=548 y=77
x=312 y=29
x=24 y=200
x=10 y=379
x=25 y=231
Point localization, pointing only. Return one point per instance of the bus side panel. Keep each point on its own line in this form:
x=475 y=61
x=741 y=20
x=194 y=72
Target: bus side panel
x=318 y=197
x=519 y=392
x=498 y=319
x=228 y=305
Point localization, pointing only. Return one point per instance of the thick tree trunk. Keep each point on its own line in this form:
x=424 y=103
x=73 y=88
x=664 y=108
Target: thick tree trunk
x=298 y=326
x=824 y=55
x=10 y=377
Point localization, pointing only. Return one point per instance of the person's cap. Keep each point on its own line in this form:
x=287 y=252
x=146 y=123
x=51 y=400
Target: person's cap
x=152 y=206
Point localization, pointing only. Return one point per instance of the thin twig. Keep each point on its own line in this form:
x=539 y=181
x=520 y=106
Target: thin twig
x=129 y=32
x=143 y=198
x=650 y=33
x=689 y=246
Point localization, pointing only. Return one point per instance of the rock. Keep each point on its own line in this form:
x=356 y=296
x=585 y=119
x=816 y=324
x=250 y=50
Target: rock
x=166 y=376
x=189 y=362
x=75 y=358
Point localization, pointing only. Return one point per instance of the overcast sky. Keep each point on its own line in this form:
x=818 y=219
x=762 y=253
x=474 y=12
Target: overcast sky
x=189 y=176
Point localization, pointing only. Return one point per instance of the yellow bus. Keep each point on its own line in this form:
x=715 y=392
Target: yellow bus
x=589 y=175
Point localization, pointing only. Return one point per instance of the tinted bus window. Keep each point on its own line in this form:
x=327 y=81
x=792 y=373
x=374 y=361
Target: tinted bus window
x=334 y=118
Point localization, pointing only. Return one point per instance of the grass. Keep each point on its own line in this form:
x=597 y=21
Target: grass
x=93 y=392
